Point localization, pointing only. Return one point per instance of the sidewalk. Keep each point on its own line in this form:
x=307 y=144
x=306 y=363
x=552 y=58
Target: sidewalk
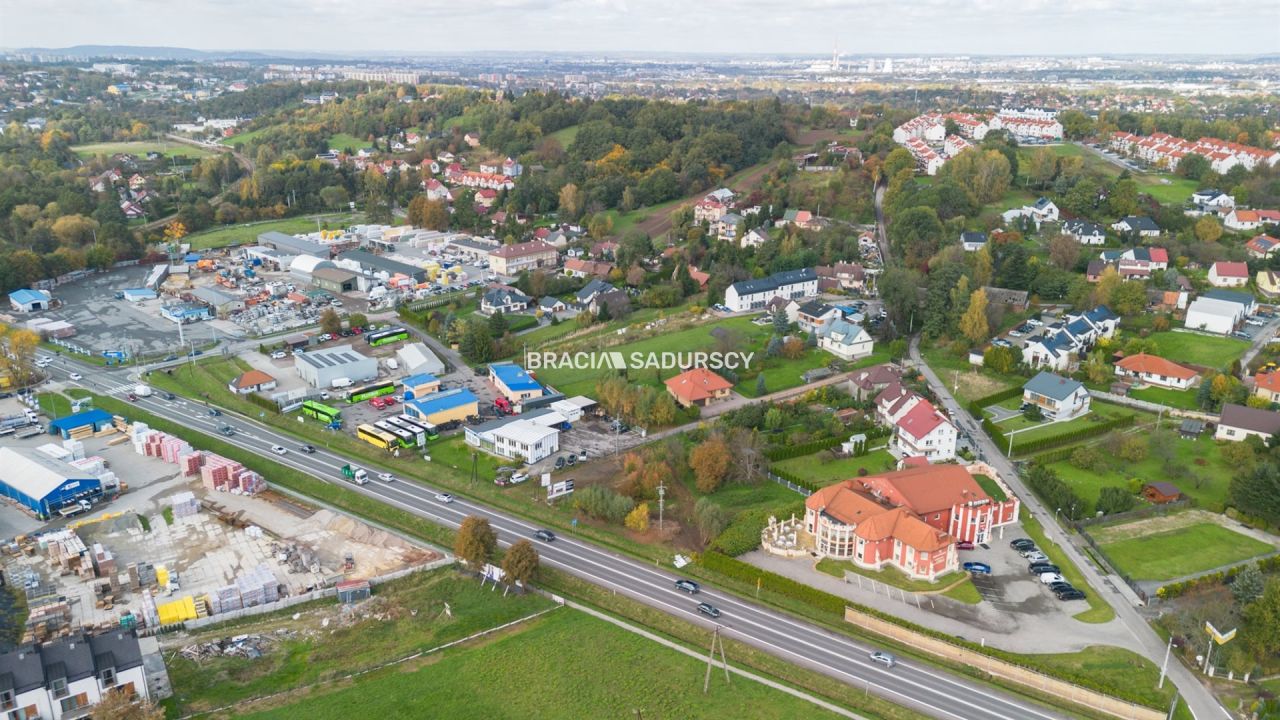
x=1020 y=632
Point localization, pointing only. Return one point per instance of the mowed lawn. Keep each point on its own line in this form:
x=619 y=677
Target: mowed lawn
x=1207 y=350
x=140 y=148
x=1054 y=429
x=545 y=670
x=343 y=141
x=1186 y=550
x=248 y=233
x=1168 y=189
x=1202 y=458
x=1184 y=399
x=566 y=136
x=820 y=468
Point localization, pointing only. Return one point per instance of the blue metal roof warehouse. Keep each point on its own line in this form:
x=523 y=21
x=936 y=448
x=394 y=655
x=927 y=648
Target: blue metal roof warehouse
x=513 y=377
x=440 y=402
x=64 y=425
x=40 y=483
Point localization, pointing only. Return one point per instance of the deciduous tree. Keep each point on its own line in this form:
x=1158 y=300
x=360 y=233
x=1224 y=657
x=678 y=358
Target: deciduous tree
x=520 y=564
x=475 y=542
x=638 y=518
x=974 y=321
x=710 y=462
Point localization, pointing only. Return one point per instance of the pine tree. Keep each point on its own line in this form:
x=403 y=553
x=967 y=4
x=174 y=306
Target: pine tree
x=761 y=388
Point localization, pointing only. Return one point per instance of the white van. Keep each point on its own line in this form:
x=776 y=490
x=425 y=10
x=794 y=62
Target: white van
x=341 y=382
x=392 y=364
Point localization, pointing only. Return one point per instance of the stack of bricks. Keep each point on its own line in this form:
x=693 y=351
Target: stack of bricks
x=184 y=504
x=225 y=599
x=104 y=563
x=248 y=482
x=217 y=472
x=258 y=586
x=191 y=463
x=67 y=551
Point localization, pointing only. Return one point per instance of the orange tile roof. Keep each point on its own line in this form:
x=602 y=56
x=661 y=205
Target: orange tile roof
x=874 y=521
x=1155 y=365
x=931 y=488
x=253 y=378
x=697 y=384
x=1268 y=381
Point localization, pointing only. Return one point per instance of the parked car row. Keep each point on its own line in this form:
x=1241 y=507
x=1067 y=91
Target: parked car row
x=1050 y=575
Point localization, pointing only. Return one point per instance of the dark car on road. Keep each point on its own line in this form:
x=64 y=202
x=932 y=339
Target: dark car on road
x=308 y=449
x=977 y=568
x=709 y=610
x=1041 y=568
x=545 y=535
x=688 y=586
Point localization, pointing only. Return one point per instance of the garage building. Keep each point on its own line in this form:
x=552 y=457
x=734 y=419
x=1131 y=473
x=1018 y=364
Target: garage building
x=321 y=367
x=442 y=407
x=40 y=483
x=418 y=358
x=25 y=301
x=67 y=426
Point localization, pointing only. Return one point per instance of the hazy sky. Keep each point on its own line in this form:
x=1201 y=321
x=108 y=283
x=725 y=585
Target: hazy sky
x=792 y=26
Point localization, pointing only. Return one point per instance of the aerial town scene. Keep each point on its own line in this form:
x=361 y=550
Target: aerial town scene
x=635 y=361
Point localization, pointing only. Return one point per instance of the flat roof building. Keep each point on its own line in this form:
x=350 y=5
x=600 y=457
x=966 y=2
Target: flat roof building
x=321 y=367
x=292 y=245
x=373 y=264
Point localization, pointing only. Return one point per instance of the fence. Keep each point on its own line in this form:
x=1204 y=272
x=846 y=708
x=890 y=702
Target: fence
x=1138 y=514
x=1003 y=669
x=793 y=485
x=1099 y=554
x=1152 y=407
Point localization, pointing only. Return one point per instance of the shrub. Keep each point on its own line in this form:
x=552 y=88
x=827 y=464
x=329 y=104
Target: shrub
x=743 y=534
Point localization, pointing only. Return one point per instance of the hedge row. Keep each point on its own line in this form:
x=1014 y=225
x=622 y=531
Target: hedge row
x=743 y=534
x=791 y=477
x=1002 y=440
x=787 y=452
x=1173 y=590
x=263 y=402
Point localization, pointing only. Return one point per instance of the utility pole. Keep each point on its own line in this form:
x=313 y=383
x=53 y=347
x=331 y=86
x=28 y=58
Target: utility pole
x=711 y=658
x=1164 y=667
x=662 y=494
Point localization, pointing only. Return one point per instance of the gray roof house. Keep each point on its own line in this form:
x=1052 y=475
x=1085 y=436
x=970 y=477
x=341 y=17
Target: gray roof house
x=1059 y=398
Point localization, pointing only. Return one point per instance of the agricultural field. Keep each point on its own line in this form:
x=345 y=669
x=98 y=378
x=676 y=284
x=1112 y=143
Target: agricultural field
x=343 y=141
x=538 y=670
x=140 y=148
x=1202 y=458
x=247 y=234
x=1196 y=349
x=245 y=137
x=1145 y=551
x=821 y=468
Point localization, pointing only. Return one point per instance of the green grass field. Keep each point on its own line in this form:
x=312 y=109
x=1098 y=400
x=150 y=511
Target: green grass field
x=1168 y=189
x=991 y=488
x=1185 y=399
x=566 y=136
x=245 y=138
x=1184 y=551
x=343 y=141
x=889 y=576
x=1098 y=410
x=140 y=148
x=1196 y=349
x=1203 y=457
x=248 y=233
x=543 y=671
x=814 y=469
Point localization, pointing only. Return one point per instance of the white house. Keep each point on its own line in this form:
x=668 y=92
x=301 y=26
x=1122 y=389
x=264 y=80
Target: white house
x=1049 y=352
x=1085 y=232
x=1204 y=202
x=1041 y=212
x=973 y=241
x=1239 y=219
x=753 y=294
x=845 y=340
x=755 y=237
x=65 y=677
x=1229 y=274
x=1059 y=398
x=1239 y=422
x=814 y=316
x=1262 y=246
x=893 y=402
x=1214 y=315
x=1142 y=225
x=925 y=432
x=505 y=300
x=1155 y=370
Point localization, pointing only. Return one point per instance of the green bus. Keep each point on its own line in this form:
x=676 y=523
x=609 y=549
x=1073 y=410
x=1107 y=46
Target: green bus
x=367 y=392
x=322 y=412
x=386 y=336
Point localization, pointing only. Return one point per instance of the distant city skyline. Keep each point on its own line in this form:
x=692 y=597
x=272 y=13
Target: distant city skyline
x=855 y=27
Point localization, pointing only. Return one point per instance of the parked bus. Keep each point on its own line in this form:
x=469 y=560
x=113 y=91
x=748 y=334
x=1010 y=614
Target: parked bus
x=431 y=432
x=386 y=336
x=404 y=438
x=361 y=394
x=376 y=437
x=419 y=433
x=322 y=412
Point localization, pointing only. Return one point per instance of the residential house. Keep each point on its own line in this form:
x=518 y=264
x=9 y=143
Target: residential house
x=1142 y=226
x=753 y=294
x=1218 y=311
x=698 y=387
x=575 y=267
x=593 y=288
x=471 y=139
x=64 y=678
x=953 y=145
x=700 y=277
x=845 y=340
x=1229 y=274
x=709 y=210
x=486 y=197
x=618 y=302
x=503 y=299
x=1151 y=258
x=1048 y=351
x=1210 y=201
x=802 y=219
x=252 y=381
x=1239 y=219
x=868 y=382
x=1022 y=125
x=551 y=304
x=1268 y=283
x=1085 y=232
x=1093 y=273
x=1155 y=370
x=1042 y=211
x=728 y=226
x=1239 y=422
x=510 y=260
x=604 y=249
x=1059 y=398
x=1262 y=246
x=1013 y=299
x=1266 y=385
x=755 y=237
x=894 y=402
x=973 y=241
x=813 y=316
x=924 y=432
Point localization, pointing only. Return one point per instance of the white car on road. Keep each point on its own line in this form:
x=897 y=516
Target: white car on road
x=76 y=376
x=444 y=497
x=386 y=477
x=279 y=449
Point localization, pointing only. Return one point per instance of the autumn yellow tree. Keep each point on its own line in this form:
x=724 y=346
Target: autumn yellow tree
x=175 y=230
x=710 y=462
x=572 y=200
x=1208 y=230
x=638 y=519
x=973 y=324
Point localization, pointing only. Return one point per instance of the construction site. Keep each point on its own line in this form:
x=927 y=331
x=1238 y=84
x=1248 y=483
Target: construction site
x=188 y=535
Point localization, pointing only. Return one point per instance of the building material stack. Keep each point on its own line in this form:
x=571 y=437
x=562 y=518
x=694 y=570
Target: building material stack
x=150 y=617
x=258 y=586
x=75 y=447
x=191 y=463
x=184 y=504
x=67 y=551
x=217 y=472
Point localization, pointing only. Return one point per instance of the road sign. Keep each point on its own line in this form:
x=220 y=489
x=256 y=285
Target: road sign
x=115 y=354
x=1222 y=638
